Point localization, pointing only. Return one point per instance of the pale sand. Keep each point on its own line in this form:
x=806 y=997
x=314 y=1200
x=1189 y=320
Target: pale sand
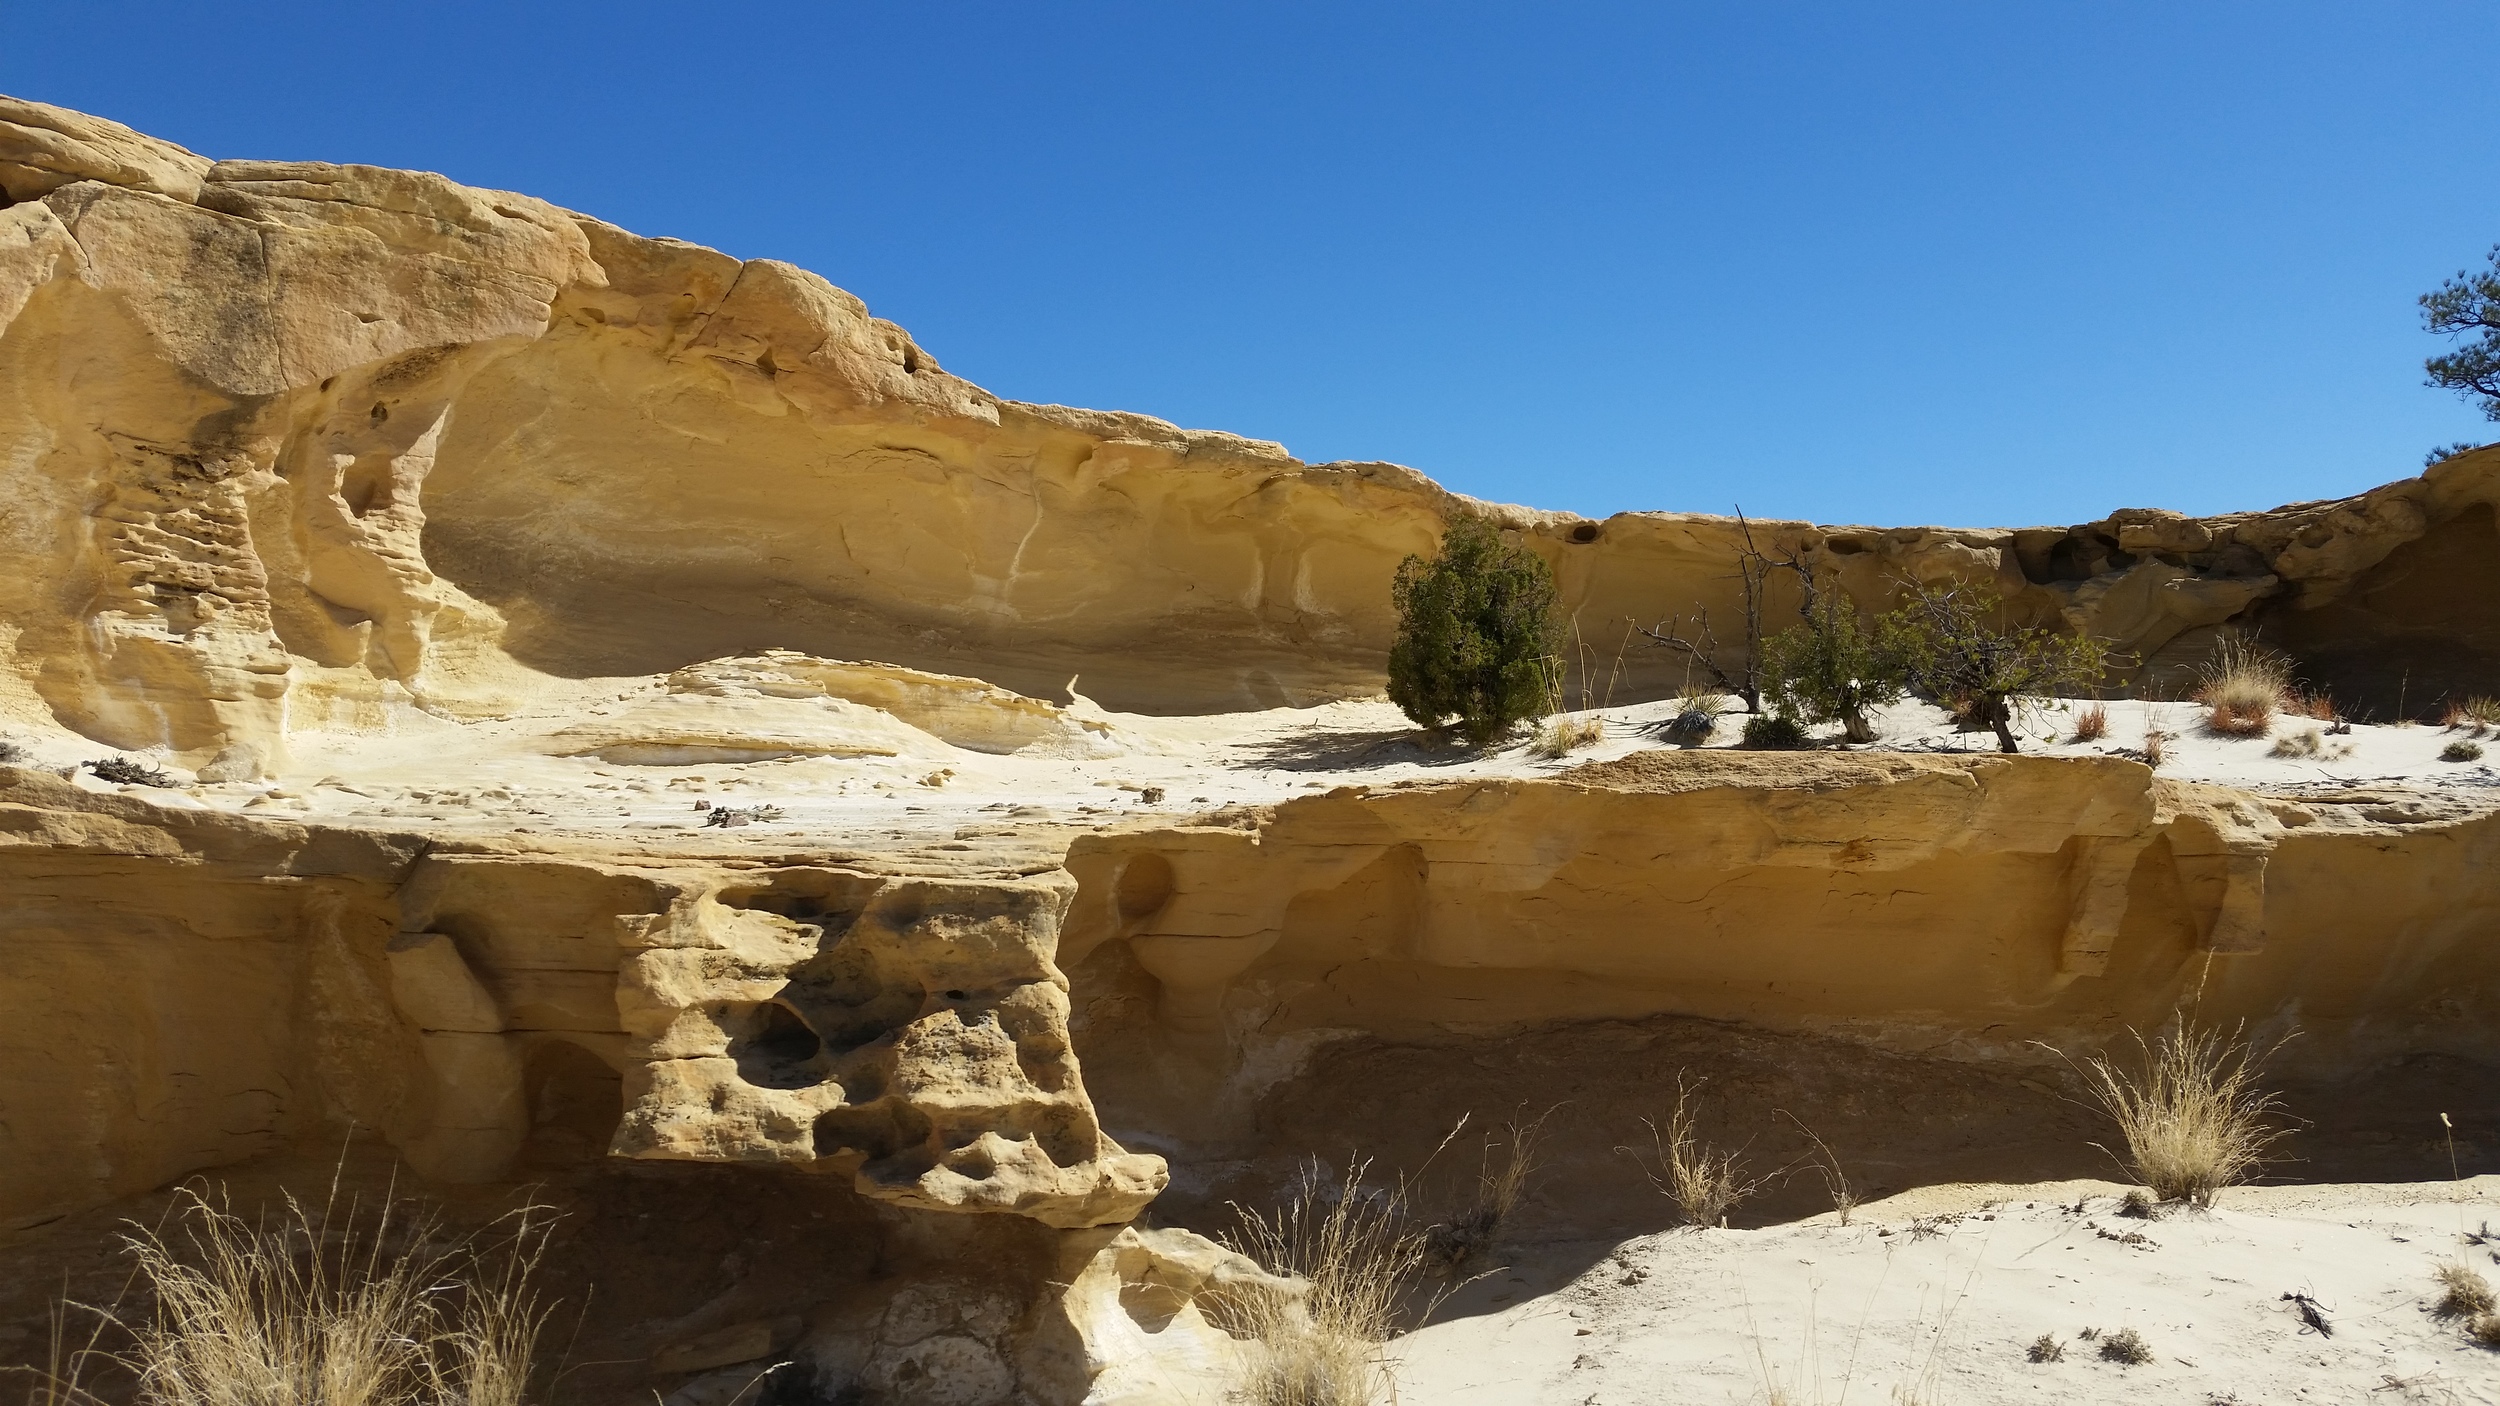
x=1883 y=1310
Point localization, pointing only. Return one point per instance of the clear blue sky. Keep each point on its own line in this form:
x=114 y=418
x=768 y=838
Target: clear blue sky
x=1971 y=263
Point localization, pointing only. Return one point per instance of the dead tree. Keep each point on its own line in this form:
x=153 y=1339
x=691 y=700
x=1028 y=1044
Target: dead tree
x=1754 y=568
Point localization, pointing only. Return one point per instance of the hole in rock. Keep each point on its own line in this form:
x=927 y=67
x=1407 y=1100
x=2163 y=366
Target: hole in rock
x=575 y=1103
x=880 y=1130
x=779 y=1053
x=954 y=995
x=1584 y=533
x=1144 y=886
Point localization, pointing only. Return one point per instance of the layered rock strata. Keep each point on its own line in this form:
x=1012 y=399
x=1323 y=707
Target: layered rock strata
x=292 y=442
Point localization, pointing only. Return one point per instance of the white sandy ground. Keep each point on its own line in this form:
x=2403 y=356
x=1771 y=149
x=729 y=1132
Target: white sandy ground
x=494 y=776
x=1934 y=1296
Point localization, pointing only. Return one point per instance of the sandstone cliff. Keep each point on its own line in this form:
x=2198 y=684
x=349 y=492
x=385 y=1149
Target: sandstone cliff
x=950 y=941
x=292 y=443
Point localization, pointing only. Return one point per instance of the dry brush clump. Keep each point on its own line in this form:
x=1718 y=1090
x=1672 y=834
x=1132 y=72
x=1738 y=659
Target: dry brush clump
x=320 y=1308
x=2461 y=752
x=1356 y=1248
x=2243 y=686
x=2194 y=1119
x=1564 y=734
x=1507 y=1160
x=2464 y=1292
x=2092 y=723
x=2476 y=714
x=2126 y=1346
x=1704 y=1181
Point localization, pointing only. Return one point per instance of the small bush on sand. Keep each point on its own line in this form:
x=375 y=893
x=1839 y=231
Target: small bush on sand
x=1703 y=1181
x=1770 y=732
x=1831 y=669
x=2127 y=1346
x=2156 y=747
x=2464 y=1292
x=2046 y=1348
x=1697 y=714
x=2194 y=1120
x=1353 y=1245
x=12 y=754
x=2461 y=752
x=325 y=1308
x=2092 y=723
x=2242 y=687
x=1476 y=634
x=1952 y=647
x=126 y=772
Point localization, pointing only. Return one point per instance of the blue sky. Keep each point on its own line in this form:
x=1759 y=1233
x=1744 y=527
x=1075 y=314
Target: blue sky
x=1965 y=263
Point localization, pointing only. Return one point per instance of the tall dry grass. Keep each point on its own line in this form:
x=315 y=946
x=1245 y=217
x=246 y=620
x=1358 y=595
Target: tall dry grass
x=2242 y=687
x=1357 y=1248
x=1507 y=1159
x=319 y=1308
x=2194 y=1118
x=1704 y=1181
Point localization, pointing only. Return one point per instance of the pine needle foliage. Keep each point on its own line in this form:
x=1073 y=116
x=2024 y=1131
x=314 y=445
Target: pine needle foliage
x=2468 y=305
x=1477 y=639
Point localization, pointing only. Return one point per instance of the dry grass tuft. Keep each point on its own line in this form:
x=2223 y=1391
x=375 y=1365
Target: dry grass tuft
x=2309 y=742
x=2485 y=1331
x=1352 y=1244
x=2092 y=723
x=2046 y=1348
x=2461 y=752
x=2474 y=714
x=2127 y=1346
x=2467 y=1294
x=2194 y=1120
x=1566 y=733
x=2242 y=686
x=1825 y=1164
x=1501 y=1179
x=324 y=1308
x=1704 y=1182
x=2156 y=747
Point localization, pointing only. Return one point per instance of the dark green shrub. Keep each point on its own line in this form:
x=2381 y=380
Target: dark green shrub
x=1831 y=670
x=1476 y=636
x=1952 y=650
x=1773 y=732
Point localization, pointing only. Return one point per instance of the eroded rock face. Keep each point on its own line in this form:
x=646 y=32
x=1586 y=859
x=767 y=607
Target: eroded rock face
x=363 y=437
x=1973 y=904
x=913 y=1033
